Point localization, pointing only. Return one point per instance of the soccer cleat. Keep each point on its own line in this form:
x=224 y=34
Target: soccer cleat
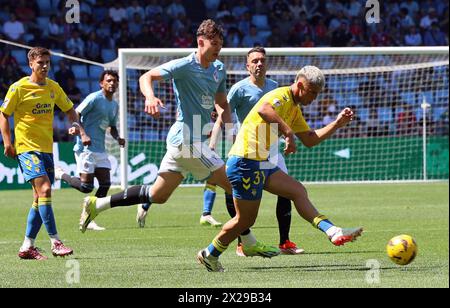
x=32 y=253
x=59 y=250
x=141 y=216
x=88 y=213
x=290 y=248
x=342 y=236
x=59 y=173
x=209 y=221
x=94 y=227
x=240 y=251
x=212 y=264
x=261 y=250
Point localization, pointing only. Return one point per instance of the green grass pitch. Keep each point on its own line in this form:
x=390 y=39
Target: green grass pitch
x=162 y=255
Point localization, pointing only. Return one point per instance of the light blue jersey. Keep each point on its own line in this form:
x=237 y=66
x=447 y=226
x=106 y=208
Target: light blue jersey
x=195 y=89
x=97 y=114
x=244 y=95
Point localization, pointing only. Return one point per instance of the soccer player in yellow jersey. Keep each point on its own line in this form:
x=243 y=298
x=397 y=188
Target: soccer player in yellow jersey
x=250 y=172
x=32 y=100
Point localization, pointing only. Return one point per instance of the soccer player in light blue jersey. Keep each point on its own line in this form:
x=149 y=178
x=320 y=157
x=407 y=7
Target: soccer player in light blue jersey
x=98 y=112
x=242 y=97
x=199 y=85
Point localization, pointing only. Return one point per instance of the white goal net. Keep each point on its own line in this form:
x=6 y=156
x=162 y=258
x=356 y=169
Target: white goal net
x=400 y=96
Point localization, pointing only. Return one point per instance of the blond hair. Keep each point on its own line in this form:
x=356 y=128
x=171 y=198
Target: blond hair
x=313 y=75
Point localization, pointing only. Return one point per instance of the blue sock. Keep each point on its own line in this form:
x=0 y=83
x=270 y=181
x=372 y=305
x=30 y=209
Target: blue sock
x=146 y=206
x=324 y=225
x=34 y=222
x=209 y=196
x=48 y=218
x=216 y=248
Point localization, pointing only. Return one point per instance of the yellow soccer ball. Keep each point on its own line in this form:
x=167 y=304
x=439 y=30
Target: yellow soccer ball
x=402 y=249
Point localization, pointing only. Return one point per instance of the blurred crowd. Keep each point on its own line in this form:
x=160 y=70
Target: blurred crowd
x=112 y=24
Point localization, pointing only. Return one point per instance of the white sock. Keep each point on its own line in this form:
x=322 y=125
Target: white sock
x=27 y=243
x=54 y=238
x=330 y=232
x=103 y=204
x=248 y=240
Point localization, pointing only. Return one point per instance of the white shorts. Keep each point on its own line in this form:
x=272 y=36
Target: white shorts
x=87 y=162
x=197 y=159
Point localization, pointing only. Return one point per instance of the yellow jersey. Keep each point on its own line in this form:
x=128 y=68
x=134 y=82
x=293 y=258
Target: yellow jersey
x=256 y=136
x=33 y=107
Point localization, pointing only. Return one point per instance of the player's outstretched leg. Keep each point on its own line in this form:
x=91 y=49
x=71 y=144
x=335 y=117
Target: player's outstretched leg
x=295 y=191
x=86 y=188
x=73 y=181
x=158 y=193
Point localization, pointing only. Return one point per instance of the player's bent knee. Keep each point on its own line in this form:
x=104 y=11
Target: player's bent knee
x=44 y=191
x=86 y=188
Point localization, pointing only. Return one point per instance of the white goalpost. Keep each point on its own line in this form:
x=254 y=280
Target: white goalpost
x=400 y=95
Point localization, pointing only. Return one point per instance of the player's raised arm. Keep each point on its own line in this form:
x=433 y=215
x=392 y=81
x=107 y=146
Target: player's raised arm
x=5 y=128
x=152 y=103
x=314 y=137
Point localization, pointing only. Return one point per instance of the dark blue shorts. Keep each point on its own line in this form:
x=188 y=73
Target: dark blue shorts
x=248 y=177
x=36 y=164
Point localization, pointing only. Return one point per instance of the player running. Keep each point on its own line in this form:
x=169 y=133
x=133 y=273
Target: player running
x=242 y=97
x=98 y=112
x=32 y=100
x=250 y=171
x=199 y=84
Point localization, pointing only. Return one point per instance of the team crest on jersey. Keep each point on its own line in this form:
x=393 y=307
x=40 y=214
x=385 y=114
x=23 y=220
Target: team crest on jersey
x=216 y=75
x=207 y=102
x=276 y=102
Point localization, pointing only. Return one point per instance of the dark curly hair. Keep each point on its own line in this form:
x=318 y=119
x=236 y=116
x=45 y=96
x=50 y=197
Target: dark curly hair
x=109 y=72
x=210 y=29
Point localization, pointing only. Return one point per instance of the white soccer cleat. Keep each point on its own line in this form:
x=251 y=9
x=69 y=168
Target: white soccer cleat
x=59 y=173
x=342 y=236
x=141 y=215
x=208 y=220
x=211 y=263
x=94 y=227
